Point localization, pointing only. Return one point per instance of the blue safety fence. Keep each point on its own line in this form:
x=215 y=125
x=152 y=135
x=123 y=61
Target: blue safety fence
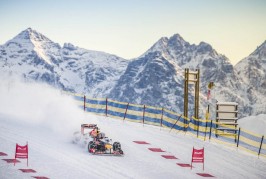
x=230 y=135
x=97 y=106
x=263 y=148
x=200 y=128
x=117 y=109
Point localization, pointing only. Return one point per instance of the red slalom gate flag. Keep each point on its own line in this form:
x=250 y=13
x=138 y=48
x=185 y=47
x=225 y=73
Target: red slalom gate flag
x=197 y=156
x=21 y=152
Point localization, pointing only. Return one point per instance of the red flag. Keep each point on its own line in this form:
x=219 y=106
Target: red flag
x=197 y=156
x=21 y=152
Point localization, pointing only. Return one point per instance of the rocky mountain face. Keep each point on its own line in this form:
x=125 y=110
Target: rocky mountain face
x=150 y=80
x=33 y=56
x=90 y=72
x=30 y=54
x=252 y=72
x=156 y=78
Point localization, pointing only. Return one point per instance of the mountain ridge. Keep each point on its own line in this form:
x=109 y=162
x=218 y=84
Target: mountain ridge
x=154 y=78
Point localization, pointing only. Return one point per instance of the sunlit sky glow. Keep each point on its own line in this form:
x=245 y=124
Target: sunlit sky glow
x=128 y=28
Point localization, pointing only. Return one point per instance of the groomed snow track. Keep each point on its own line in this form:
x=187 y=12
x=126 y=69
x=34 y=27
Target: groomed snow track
x=54 y=155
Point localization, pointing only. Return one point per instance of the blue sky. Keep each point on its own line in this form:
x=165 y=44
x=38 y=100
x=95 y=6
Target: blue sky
x=128 y=28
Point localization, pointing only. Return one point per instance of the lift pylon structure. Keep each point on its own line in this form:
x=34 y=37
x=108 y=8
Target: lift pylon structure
x=191 y=77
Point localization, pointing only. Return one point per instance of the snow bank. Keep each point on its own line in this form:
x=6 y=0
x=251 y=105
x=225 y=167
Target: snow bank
x=256 y=124
x=38 y=104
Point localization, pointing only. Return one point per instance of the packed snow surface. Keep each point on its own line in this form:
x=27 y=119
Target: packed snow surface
x=255 y=124
x=46 y=119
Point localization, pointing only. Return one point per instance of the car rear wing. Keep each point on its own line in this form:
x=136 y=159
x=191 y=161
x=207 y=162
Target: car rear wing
x=87 y=126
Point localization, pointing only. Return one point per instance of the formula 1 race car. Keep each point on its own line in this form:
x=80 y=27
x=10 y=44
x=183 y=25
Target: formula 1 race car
x=104 y=147
x=97 y=142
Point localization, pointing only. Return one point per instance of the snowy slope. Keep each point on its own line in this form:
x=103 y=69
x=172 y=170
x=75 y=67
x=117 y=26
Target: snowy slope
x=48 y=124
x=255 y=124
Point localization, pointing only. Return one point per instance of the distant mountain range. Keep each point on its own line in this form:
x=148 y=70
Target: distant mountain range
x=155 y=78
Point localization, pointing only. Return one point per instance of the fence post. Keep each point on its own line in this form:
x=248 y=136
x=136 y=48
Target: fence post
x=143 y=115
x=175 y=123
x=161 y=119
x=205 y=130
x=125 y=112
x=185 y=124
x=216 y=127
x=106 y=107
x=210 y=131
x=239 y=130
x=198 y=128
x=84 y=104
x=260 y=145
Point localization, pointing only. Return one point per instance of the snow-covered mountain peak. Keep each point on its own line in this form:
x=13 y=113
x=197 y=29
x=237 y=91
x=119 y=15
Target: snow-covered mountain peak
x=24 y=35
x=32 y=42
x=261 y=51
x=204 y=48
x=22 y=39
x=69 y=46
x=262 y=46
x=32 y=35
x=170 y=47
x=36 y=36
x=177 y=41
x=159 y=45
x=256 y=60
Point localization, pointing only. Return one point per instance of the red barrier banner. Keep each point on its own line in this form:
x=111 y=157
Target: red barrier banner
x=21 y=152
x=197 y=156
